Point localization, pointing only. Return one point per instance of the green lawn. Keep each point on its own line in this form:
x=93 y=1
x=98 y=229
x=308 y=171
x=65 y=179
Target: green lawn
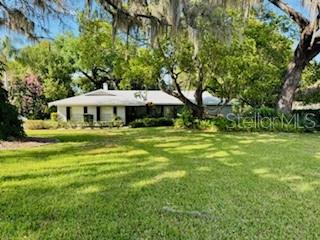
x=162 y=184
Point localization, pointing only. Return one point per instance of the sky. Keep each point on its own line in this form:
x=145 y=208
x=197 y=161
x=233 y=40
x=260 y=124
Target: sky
x=54 y=26
x=296 y=4
x=70 y=23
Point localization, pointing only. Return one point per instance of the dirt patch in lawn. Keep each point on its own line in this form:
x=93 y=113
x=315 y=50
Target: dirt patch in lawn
x=26 y=142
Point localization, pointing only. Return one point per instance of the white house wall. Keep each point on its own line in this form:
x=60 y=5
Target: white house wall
x=77 y=112
x=62 y=113
x=214 y=110
x=106 y=113
x=92 y=110
x=121 y=112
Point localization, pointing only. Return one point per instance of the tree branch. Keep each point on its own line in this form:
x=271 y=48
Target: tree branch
x=87 y=76
x=132 y=17
x=295 y=16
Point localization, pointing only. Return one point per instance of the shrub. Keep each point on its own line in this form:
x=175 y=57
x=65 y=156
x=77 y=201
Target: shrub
x=138 y=123
x=206 y=124
x=117 y=122
x=54 y=117
x=185 y=119
x=40 y=124
x=222 y=123
x=103 y=124
x=263 y=125
x=262 y=112
x=10 y=125
x=151 y=122
x=242 y=125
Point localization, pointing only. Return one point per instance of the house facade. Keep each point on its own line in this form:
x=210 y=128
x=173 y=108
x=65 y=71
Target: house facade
x=104 y=105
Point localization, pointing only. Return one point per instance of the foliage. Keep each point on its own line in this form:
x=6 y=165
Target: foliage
x=263 y=125
x=261 y=120
x=53 y=67
x=53 y=123
x=10 y=125
x=54 y=116
x=117 y=122
x=151 y=122
x=261 y=112
x=185 y=119
x=97 y=56
x=310 y=77
x=142 y=71
x=247 y=68
x=40 y=124
x=222 y=123
x=152 y=19
x=250 y=69
x=27 y=95
x=27 y=17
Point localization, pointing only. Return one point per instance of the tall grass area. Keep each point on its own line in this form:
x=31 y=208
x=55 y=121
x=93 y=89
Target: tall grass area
x=162 y=183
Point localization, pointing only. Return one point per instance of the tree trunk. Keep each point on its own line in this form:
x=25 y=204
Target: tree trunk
x=197 y=110
x=304 y=53
x=290 y=85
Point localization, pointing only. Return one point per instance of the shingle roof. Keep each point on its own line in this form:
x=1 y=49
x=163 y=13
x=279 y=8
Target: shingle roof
x=130 y=98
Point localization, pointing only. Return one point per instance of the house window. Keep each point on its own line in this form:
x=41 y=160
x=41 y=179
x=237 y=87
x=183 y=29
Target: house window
x=68 y=113
x=85 y=110
x=98 y=114
x=115 y=111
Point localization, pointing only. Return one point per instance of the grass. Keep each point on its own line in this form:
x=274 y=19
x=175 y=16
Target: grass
x=162 y=183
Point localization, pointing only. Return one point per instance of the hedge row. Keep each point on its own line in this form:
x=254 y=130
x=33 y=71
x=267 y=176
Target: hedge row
x=151 y=122
x=47 y=124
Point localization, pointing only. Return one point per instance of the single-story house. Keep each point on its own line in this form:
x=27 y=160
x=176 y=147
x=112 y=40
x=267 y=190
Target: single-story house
x=104 y=105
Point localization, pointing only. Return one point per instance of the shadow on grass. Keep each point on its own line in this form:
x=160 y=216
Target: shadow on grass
x=114 y=185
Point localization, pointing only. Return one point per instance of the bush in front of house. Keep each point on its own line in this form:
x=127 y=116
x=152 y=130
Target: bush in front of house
x=262 y=125
x=40 y=124
x=262 y=112
x=185 y=119
x=243 y=124
x=10 y=125
x=151 y=122
x=117 y=122
x=251 y=125
x=54 y=116
x=49 y=124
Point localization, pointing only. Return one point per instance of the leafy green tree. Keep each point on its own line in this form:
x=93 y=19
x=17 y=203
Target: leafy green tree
x=309 y=90
x=23 y=17
x=10 y=125
x=252 y=68
x=27 y=95
x=247 y=67
x=96 y=55
x=47 y=60
x=307 y=49
x=142 y=71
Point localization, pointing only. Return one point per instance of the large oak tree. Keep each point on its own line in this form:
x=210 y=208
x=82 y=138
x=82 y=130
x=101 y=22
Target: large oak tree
x=307 y=48
x=157 y=19
x=158 y=16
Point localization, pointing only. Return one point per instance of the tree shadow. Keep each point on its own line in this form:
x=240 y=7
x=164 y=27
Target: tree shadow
x=115 y=187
